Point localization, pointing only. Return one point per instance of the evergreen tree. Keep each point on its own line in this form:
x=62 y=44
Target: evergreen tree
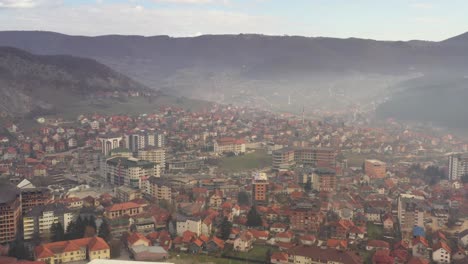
x=56 y=232
x=92 y=222
x=104 y=231
x=253 y=218
x=225 y=229
x=18 y=250
x=70 y=229
x=308 y=185
x=243 y=198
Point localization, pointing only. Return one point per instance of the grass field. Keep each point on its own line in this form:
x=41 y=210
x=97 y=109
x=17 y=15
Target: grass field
x=199 y=259
x=251 y=161
x=374 y=231
x=257 y=253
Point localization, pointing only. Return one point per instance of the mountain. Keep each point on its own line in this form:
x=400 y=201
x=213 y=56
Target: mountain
x=275 y=72
x=47 y=83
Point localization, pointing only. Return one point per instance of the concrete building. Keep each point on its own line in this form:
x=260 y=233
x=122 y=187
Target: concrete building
x=121 y=209
x=159 y=189
x=324 y=180
x=410 y=213
x=108 y=143
x=458 y=165
x=125 y=194
x=283 y=159
x=129 y=171
x=316 y=157
x=10 y=212
x=155 y=155
x=260 y=187
x=73 y=250
x=192 y=224
x=32 y=196
x=40 y=219
x=375 y=169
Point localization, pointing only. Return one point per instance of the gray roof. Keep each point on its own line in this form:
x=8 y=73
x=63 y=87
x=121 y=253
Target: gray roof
x=8 y=192
x=151 y=249
x=58 y=209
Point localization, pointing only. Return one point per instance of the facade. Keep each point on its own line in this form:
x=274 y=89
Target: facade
x=32 y=197
x=125 y=194
x=73 y=250
x=10 y=212
x=224 y=145
x=39 y=220
x=109 y=143
x=159 y=189
x=306 y=218
x=192 y=224
x=283 y=159
x=155 y=155
x=458 y=165
x=441 y=253
x=318 y=255
x=410 y=212
x=324 y=180
x=375 y=169
x=316 y=157
x=186 y=165
x=244 y=242
x=129 y=171
x=121 y=209
x=260 y=187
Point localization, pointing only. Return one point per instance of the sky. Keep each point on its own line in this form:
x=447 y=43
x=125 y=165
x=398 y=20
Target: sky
x=374 y=19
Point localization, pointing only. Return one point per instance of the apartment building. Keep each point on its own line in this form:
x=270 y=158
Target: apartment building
x=306 y=217
x=227 y=144
x=193 y=224
x=260 y=188
x=89 y=248
x=125 y=194
x=129 y=171
x=109 y=142
x=33 y=197
x=40 y=219
x=283 y=159
x=155 y=155
x=10 y=212
x=159 y=189
x=324 y=180
x=411 y=209
x=458 y=165
x=316 y=157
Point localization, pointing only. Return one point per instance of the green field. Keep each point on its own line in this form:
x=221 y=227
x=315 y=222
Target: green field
x=183 y=258
x=251 y=161
x=256 y=253
x=374 y=231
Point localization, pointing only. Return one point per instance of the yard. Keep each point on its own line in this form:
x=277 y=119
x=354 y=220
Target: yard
x=374 y=231
x=250 y=161
x=182 y=258
x=258 y=253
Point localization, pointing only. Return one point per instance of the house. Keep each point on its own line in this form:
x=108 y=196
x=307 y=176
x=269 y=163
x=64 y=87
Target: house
x=278 y=227
x=260 y=236
x=72 y=250
x=420 y=247
x=315 y=254
x=388 y=222
x=148 y=253
x=463 y=238
x=244 y=242
x=215 y=245
x=307 y=240
x=356 y=232
x=284 y=237
x=279 y=258
x=216 y=200
x=192 y=224
x=337 y=244
x=137 y=239
x=441 y=253
x=196 y=246
x=377 y=244
x=418 y=260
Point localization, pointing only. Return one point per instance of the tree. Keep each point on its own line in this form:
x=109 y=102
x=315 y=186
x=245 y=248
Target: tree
x=243 y=198
x=464 y=178
x=253 y=218
x=225 y=229
x=18 y=250
x=56 y=232
x=104 y=231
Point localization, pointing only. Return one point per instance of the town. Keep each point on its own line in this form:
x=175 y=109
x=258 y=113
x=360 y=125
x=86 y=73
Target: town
x=231 y=184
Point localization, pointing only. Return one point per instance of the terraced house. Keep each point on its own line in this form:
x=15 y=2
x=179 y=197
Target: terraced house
x=73 y=250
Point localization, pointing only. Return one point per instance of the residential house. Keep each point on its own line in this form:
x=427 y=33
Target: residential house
x=244 y=242
x=89 y=248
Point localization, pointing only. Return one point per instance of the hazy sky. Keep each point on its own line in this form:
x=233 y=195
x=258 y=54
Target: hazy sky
x=376 y=19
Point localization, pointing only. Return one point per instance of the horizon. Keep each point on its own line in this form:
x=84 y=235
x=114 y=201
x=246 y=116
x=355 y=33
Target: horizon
x=400 y=20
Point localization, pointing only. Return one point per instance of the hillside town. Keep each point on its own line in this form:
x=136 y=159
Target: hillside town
x=231 y=185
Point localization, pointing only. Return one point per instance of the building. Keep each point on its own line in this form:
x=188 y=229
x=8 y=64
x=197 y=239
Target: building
x=318 y=255
x=306 y=217
x=108 y=143
x=458 y=165
x=283 y=159
x=159 y=189
x=324 y=180
x=129 y=171
x=227 y=144
x=121 y=209
x=244 y=241
x=441 y=253
x=316 y=157
x=89 y=248
x=144 y=139
x=125 y=194
x=185 y=165
x=260 y=187
x=39 y=220
x=33 y=196
x=410 y=212
x=155 y=155
x=375 y=169
x=10 y=212
x=192 y=224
